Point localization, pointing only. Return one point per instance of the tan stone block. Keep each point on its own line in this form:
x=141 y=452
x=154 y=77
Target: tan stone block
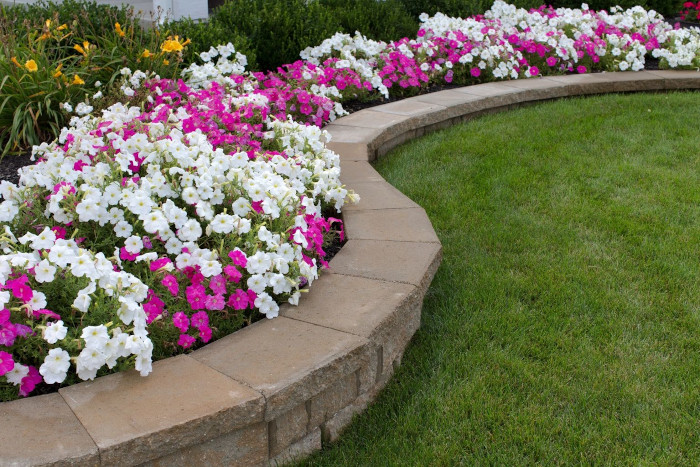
x=133 y=419
x=299 y=450
x=326 y=404
x=351 y=151
x=384 y=146
x=378 y=195
x=625 y=81
x=408 y=262
x=288 y=428
x=350 y=134
x=402 y=225
x=332 y=428
x=351 y=304
x=287 y=360
x=487 y=89
x=43 y=430
x=457 y=104
x=244 y=447
x=679 y=79
x=537 y=89
x=582 y=84
x=358 y=171
x=410 y=107
x=371 y=118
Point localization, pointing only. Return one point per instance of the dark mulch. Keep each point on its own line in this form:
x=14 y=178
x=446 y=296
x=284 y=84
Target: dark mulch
x=9 y=165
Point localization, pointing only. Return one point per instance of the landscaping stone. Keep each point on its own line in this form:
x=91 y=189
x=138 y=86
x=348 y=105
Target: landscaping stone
x=247 y=446
x=288 y=428
x=378 y=195
x=44 y=431
x=359 y=172
x=350 y=151
x=408 y=262
x=181 y=404
x=400 y=225
x=288 y=361
x=299 y=450
x=326 y=404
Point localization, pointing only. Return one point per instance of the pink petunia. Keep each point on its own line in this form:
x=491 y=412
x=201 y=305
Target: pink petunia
x=181 y=321
x=6 y=363
x=238 y=300
x=217 y=284
x=195 y=295
x=475 y=72
x=232 y=274
x=200 y=320
x=185 y=341
x=238 y=258
x=8 y=336
x=205 y=334
x=170 y=283
x=29 y=382
x=215 y=302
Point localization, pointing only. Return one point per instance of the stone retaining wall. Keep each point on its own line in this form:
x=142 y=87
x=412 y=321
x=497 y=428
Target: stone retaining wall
x=280 y=388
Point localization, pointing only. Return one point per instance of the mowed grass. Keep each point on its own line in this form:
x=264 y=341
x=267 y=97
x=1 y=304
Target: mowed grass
x=563 y=326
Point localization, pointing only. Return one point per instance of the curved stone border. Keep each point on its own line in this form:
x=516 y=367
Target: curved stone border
x=277 y=389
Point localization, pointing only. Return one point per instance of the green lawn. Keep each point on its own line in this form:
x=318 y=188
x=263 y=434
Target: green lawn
x=563 y=325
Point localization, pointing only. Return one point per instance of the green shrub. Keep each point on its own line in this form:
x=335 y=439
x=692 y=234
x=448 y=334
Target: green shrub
x=379 y=20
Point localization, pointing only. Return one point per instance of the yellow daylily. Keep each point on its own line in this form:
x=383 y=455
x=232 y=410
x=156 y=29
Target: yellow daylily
x=14 y=60
x=62 y=27
x=166 y=62
x=118 y=28
x=80 y=49
x=146 y=53
x=173 y=45
x=30 y=65
x=77 y=80
x=57 y=73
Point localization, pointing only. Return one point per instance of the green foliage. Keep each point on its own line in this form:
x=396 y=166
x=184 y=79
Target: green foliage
x=379 y=20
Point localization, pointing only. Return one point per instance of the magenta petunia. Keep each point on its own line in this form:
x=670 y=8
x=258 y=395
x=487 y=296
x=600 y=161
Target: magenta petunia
x=6 y=363
x=170 y=283
x=29 y=382
x=238 y=300
x=200 y=320
x=232 y=274
x=185 y=341
x=181 y=321
x=217 y=284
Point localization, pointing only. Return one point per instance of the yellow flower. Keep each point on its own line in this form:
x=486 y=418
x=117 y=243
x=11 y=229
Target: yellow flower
x=146 y=53
x=31 y=66
x=171 y=45
x=80 y=49
x=58 y=71
x=44 y=36
x=62 y=27
x=166 y=62
x=14 y=60
x=118 y=28
x=48 y=23
x=77 y=80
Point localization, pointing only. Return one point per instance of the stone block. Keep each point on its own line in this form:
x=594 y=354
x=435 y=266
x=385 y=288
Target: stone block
x=350 y=134
x=351 y=151
x=43 y=430
x=298 y=450
x=679 y=79
x=358 y=171
x=408 y=262
x=371 y=118
x=631 y=81
x=325 y=404
x=410 y=107
x=288 y=428
x=288 y=361
x=182 y=403
x=332 y=428
x=243 y=447
x=537 y=89
x=378 y=195
x=401 y=225
x=352 y=304
x=587 y=83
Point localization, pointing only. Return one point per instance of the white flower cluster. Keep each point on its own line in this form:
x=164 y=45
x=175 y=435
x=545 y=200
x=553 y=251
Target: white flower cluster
x=53 y=259
x=200 y=76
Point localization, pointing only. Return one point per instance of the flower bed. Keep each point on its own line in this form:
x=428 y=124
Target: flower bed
x=172 y=218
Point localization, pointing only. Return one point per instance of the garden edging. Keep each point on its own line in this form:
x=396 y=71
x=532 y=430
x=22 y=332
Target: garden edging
x=280 y=388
